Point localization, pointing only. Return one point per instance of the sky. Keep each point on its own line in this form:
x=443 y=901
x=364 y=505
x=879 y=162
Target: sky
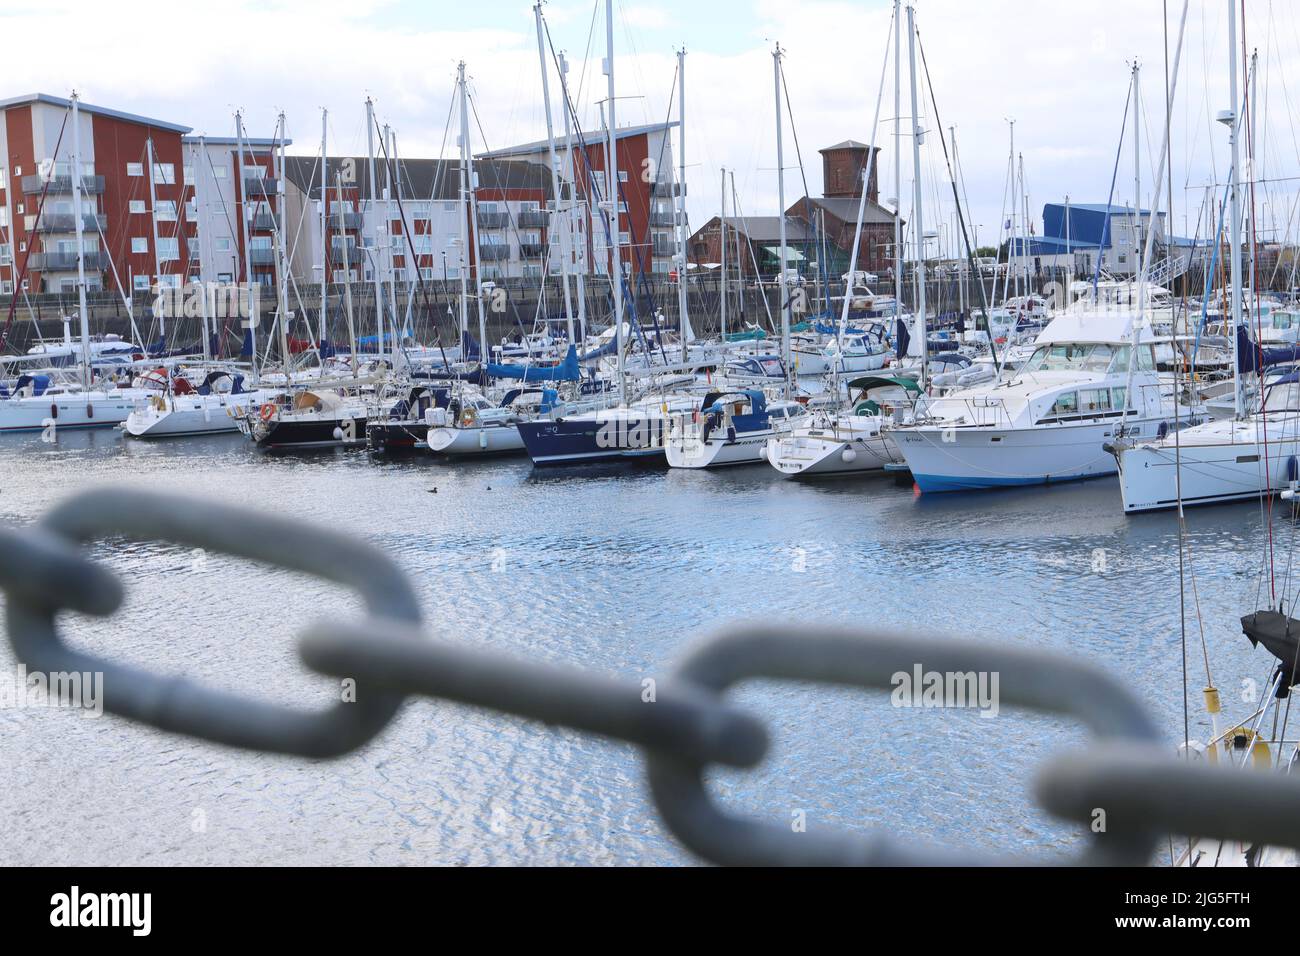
x=1060 y=70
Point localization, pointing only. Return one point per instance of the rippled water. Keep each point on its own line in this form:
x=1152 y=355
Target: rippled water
x=614 y=569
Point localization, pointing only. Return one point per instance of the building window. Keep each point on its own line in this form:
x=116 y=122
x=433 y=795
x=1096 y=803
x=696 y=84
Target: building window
x=6 y=254
x=221 y=245
x=219 y=172
x=139 y=244
x=168 y=249
x=140 y=283
x=135 y=169
x=6 y=287
x=622 y=175
x=137 y=206
x=4 y=217
x=164 y=174
x=165 y=210
x=20 y=209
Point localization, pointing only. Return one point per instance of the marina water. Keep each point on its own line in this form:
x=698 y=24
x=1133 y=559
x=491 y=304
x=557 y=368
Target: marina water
x=615 y=569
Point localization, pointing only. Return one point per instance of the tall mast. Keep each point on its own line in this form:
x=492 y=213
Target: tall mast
x=722 y=244
x=464 y=222
x=370 y=208
x=467 y=157
x=81 y=250
x=570 y=219
x=559 y=220
x=248 y=252
x=784 y=290
x=898 y=165
x=916 y=199
x=205 y=249
x=1234 y=197
x=281 y=262
x=324 y=226
x=679 y=202
x=1137 y=163
x=347 y=277
x=740 y=256
x=390 y=192
x=611 y=180
x=153 y=223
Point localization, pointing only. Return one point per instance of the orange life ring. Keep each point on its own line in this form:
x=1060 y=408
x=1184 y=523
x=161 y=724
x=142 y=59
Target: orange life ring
x=267 y=411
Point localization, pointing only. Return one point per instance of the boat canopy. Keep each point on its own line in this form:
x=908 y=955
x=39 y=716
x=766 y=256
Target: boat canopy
x=566 y=371
x=868 y=382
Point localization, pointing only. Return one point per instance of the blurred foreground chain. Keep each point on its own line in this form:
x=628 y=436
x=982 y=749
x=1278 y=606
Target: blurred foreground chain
x=683 y=727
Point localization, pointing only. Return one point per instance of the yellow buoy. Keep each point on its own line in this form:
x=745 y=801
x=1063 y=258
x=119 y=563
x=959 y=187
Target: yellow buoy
x=1212 y=704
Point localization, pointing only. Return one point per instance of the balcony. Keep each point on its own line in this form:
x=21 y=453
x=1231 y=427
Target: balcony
x=666 y=190
x=261 y=186
x=350 y=220
x=494 y=220
x=262 y=220
x=339 y=249
x=663 y=249
x=61 y=185
x=531 y=250
x=664 y=220
x=66 y=261
x=67 y=222
x=493 y=253
x=261 y=257
x=532 y=218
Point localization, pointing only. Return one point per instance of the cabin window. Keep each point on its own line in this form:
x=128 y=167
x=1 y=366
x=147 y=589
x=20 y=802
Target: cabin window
x=1095 y=400
x=1065 y=404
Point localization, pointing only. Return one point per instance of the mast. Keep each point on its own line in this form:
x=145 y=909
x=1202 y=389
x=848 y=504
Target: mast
x=722 y=244
x=569 y=222
x=611 y=180
x=679 y=202
x=205 y=250
x=324 y=226
x=898 y=167
x=153 y=224
x=347 y=277
x=281 y=263
x=81 y=250
x=740 y=258
x=555 y=176
x=390 y=191
x=467 y=158
x=464 y=224
x=1234 y=197
x=782 y=286
x=370 y=207
x=1137 y=162
x=916 y=200
x=248 y=252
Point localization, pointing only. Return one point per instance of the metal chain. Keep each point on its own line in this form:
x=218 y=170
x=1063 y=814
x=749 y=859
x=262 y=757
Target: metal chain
x=683 y=725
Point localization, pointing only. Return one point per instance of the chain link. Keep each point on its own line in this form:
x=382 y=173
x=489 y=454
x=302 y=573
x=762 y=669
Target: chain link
x=681 y=720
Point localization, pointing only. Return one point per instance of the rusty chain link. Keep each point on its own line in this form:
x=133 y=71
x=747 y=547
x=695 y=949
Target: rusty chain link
x=685 y=726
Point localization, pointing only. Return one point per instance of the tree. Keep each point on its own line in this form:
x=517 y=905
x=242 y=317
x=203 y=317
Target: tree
x=986 y=252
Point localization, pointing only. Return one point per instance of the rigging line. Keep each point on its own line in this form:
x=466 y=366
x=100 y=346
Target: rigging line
x=1178 y=445
x=961 y=219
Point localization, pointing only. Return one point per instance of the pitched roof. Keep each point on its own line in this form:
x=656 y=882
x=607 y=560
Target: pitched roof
x=847 y=144
x=845 y=209
x=421 y=179
x=768 y=228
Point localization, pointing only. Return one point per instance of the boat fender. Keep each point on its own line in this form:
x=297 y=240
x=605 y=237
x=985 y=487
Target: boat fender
x=848 y=456
x=90 y=410
x=1162 y=431
x=1291 y=469
x=54 y=410
x=338 y=434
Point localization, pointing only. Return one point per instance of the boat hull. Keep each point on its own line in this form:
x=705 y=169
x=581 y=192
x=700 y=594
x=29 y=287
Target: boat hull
x=835 y=453
x=584 y=440
x=1238 y=468
x=483 y=440
x=189 y=417
x=747 y=448
x=71 y=410
x=966 y=459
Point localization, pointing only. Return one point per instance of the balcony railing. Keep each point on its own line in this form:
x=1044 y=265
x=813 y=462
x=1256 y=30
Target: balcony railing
x=261 y=186
x=664 y=248
x=338 y=249
x=667 y=190
x=261 y=257
x=663 y=219
x=491 y=253
x=66 y=261
x=262 y=220
x=494 y=220
x=351 y=220
x=530 y=218
x=67 y=222
x=531 y=250
x=61 y=185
